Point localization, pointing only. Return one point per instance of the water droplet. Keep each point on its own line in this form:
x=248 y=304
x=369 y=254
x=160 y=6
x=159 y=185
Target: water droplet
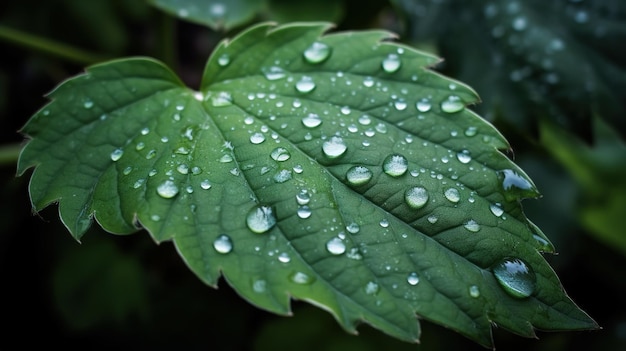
x=317 y=52
x=384 y=223
x=496 y=209
x=223 y=60
x=304 y=212
x=282 y=176
x=259 y=285
x=365 y=120
x=413 y=278
x=311 y=120
x=452 y=194
x=423 y=105
x=205 y=184
x=334 y=147
x=301 y=278
x=116 y=154
x=167 y=189
x=464 y=156
x=303 y=197
x=261 y=219
x=284 y=257
x=273 y=73
x=391 y=63
x=182 y=168
x=353 y=228
x=336 y=246
x=371 y=288
x=416 y=197
x=223 y=244
x=395 y=165
x=515 y=277
x=345 y=110
x=515 y=186
x=358 y=175
x=400 y=104
x=280 y=154
x=472 y=226
x=226 y=158
x=368 y=82
x=305 y=84
x=474 y=291
x=221 y=99
x=432 y=219
x=257 y=138
x=471 y=131
x=452 y=104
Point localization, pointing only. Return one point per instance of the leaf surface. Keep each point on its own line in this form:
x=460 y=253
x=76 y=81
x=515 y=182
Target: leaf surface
x=212 y=13
x=337 y=169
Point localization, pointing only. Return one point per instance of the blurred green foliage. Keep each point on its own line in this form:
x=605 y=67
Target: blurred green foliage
x=112 y=291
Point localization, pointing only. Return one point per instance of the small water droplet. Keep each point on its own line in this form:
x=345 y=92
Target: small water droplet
x=116 y=154
x=400 y=104
x=391 y=63
x=345 y=110
x=273 y=73
x=515 y=186
x=257 y=138
x=284 y=257
x=226 y=158
x=515 y=277
x=423 y=105
x=395 y=165
x=464 y=156
x=384 y=223
x=205 y=184
x=167 y=189
x=358 y=175
x=305 y=85
x=474 y=291
x=336 y=246
x=88 y=104
x=452 y=194
x=301 y=278
x=452 y=104
x=259 y=285
x=365 y=120
x=304 y=212
x=139 y=183
x=368 y=82
x=317 y=52
x=334 y=147
x=496 y=210
x=221 y=99
x=182 y=168
x=312 y=120
x=471 y=131
x=416 y=197
x=303 y=197
x=371 y=288
x=353 y=228
x=223 y=244
x=261 y=219
x=280 y=154
x=282 y=176
x=223 y=60
x=432 y=219
x=472 y=226
x=413 y=278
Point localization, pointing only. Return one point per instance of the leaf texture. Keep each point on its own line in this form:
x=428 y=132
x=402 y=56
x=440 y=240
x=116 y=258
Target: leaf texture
x=332 y=168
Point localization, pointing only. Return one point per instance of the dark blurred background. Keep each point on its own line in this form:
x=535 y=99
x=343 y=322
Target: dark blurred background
x=550 y=75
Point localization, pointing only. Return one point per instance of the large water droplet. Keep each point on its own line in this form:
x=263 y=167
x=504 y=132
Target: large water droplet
x=317 y=52
x=312 y=120
x=223 y=244
x=304 y=212
x=167 y=189
x=496 y=210
x=400 y=104
x=464 y=156
x=395 y=165
x=260 y=219
x=223 y=60
x=515 y=276
x=273 y=73
x=334 y=147
x=353 y=228
x=472 y=226
x=257 y=138
x=413 y=278
x=452 y=104
x=452 y=194
x=305 y=84
x=280 y=154
x=416 y=197
x=116 y=154
x=515 y=186
x=358 y=175
x=391 y=63
x=423 y=105
x=336 y=246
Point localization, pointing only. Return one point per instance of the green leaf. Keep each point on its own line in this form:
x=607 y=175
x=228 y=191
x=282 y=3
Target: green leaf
x=530 y=59
x=212 y=13
x=336 y=169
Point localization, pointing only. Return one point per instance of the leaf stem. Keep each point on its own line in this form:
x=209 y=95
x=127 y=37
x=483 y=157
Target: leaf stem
x=9 y=154
x=48 y=46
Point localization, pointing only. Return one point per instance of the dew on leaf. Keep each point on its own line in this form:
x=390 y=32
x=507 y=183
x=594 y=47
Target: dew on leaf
x=301 y=278
x=395 y=165
x=334 y=147
x=365 y=120
x=88 y=104
x=312 y=120
x=223 y=244
x=336 y=246
x=472 y=226
x=416 y=197
x=515 y=186
x=304 y=212
x=282 y=176
x=205 y=184
x=151 y=154
x=280 y=154
x=284 y=257
x=303 y=197
x=432 y=219
x=305 y=85
x=221 y=99
x=226 y=158
x=474 y=291
x=353 y=228
x=167 y=189
x=116 y=154
x=257 y=138
x=464 y=156
x=452 y=194
x=259 y=285
x=371 y=288
x=391 y=63
x=452 y=104
x=471 y=131
x=496 y=210
x=182 y=168
x=515 y=277
x=273 y=73
x=358 y=175
x=413 y=278
x=223 y=60
x=346 y=110
x=400 y=104
x=260 y=219
x=317 y=53
x=139 y=183
x=368 y=82
x=423 y=105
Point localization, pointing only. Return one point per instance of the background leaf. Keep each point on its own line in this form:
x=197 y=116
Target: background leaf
x=300 y=170
x=216 y=14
